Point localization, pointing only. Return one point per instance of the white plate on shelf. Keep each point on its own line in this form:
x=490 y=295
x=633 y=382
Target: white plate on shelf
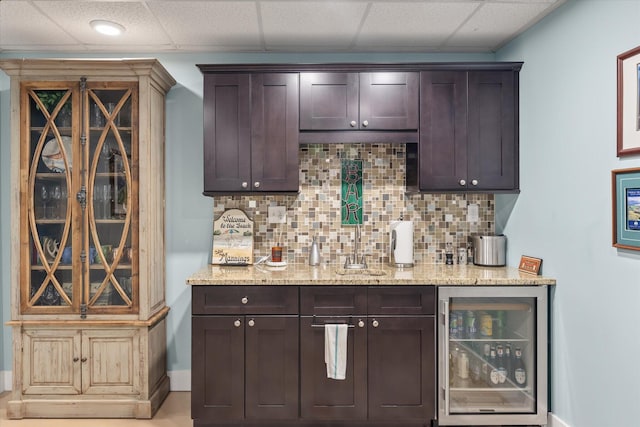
x=276 y=264
x=52 y=155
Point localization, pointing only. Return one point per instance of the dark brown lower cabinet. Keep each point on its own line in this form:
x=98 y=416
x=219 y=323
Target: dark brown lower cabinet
x=401 y=361
x=390 y=371
x=244 y=367
x=322 y=398
x=268 y=370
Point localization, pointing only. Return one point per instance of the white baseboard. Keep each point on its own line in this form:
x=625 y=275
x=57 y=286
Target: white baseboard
x=6 y=380
x=180 y=380
x=554 y=421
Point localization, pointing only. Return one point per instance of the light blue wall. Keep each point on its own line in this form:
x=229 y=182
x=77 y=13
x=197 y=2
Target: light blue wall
x=188 y=213
x=563 y=214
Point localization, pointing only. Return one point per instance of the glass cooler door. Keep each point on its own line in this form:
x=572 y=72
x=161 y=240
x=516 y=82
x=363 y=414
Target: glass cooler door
x=493 y=355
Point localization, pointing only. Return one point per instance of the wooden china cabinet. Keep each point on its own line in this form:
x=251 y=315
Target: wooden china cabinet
x=88 y=311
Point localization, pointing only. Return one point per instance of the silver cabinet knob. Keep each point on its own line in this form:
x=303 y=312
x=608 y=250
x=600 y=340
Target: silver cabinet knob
x=256 y=184
x=353 y=123
x=244 y=300
x=474 y=182
x=245 y=185
x=375 y=323
x=252 y=322
x=462 y=182
x=360 y=323
x=365 y=123
x=237 y=323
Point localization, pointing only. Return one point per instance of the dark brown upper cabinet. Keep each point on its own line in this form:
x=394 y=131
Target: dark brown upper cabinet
x=250 y=133
x=358 y=101
x=468 y=130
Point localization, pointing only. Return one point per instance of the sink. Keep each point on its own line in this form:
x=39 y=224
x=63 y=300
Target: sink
x=360 y=272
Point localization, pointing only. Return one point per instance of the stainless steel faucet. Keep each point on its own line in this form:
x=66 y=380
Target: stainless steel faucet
x=354 y=264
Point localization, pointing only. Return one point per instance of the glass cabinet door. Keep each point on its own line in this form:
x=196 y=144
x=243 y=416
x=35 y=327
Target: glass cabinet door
x=112 y=231
x=491 y=354
x=78 y=151
x=47 y=221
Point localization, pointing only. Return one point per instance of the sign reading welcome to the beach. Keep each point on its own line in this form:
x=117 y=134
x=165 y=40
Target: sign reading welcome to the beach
x=232 y=239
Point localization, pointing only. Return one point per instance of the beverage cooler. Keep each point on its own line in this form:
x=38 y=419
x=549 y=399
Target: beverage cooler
x=492 y=355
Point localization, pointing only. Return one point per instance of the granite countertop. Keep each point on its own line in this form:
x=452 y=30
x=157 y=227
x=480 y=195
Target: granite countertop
x=329 y=274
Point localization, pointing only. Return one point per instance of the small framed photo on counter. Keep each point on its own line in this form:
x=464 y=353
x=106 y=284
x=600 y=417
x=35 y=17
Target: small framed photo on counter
x=625 y=189
x=530 y=265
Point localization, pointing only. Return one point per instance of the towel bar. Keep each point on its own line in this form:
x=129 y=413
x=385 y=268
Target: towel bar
x=322 y=326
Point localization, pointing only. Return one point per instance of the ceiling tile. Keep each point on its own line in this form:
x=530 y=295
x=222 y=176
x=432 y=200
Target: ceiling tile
x=40 y=30
x=313 y=24
x=199 y=23
x=417 y=24
x=494 y=24
x=74 y=17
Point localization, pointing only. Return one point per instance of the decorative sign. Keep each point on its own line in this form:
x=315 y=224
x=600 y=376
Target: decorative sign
x=530 y=265
x=351 y=192
x=232 y=239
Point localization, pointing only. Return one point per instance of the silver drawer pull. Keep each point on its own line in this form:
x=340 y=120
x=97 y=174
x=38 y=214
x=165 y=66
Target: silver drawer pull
x=244 y=300
x=375 y=323
x=237 y=323
x=360 y=323
x=252 y=322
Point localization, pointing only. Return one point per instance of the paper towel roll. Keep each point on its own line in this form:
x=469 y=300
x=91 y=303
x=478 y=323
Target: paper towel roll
x=401 y=243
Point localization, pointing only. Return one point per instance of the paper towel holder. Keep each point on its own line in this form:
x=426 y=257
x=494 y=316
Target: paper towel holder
x=401 y=250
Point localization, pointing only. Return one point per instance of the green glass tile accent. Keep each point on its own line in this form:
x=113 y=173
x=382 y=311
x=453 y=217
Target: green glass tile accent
x=351 y=192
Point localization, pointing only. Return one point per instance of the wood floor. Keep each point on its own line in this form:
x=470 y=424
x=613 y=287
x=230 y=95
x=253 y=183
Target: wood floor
x=174 y=412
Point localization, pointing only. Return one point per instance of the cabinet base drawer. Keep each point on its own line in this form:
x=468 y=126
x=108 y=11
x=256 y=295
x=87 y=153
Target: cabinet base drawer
x=238 y=300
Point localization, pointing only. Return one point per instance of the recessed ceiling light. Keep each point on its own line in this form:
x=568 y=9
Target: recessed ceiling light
x=107 y=27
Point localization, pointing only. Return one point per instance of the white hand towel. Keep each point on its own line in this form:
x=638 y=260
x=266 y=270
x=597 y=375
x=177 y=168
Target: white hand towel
x=335 y=350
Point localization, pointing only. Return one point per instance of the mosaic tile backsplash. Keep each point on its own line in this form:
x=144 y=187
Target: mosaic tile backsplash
x=438 y=218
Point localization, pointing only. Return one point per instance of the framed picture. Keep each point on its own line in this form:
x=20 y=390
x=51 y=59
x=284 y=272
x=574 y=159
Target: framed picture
x=625 y=188
x=629 y=102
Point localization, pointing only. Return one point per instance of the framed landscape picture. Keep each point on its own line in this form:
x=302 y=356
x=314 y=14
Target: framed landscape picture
x=625 y=188
x=628 y=104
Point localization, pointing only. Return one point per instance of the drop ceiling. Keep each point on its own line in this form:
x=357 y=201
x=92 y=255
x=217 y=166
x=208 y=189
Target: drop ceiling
x=269 y=25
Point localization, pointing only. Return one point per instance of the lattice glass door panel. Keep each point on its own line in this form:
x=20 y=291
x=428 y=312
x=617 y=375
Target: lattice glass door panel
x=47 y=153
x=111 y=193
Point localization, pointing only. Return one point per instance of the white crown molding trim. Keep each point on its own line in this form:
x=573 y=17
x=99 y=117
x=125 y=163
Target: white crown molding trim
x=554 y=421
x=5 y=381
x=179 y=380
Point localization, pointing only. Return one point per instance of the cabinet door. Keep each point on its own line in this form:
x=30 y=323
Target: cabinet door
x=443 y=130
x=274 y=132
x=50 y=217
x=217 y=367
x=322 y=398
x=492 y=136
x=110 y=362
x=111 y=273
x=389 y=101
x=402 y=365
x=328 y=101
x=227 y=132
x=271 y=367
x=51 y=362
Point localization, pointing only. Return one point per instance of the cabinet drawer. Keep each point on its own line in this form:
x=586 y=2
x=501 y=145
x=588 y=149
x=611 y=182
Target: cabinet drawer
x=407 y=300
x=245 y=300
x=333 y=300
